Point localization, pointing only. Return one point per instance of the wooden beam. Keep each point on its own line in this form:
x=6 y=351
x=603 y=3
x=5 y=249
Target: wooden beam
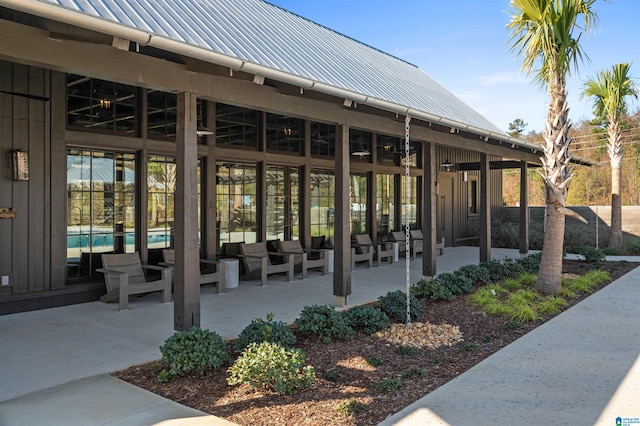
x=187 y=266
x=484 y=223
x=524 y=209
x=429 y=226
x=342 y=235
x=493 y=165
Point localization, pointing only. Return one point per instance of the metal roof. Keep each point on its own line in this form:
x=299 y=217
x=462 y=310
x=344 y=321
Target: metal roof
x=277 y=44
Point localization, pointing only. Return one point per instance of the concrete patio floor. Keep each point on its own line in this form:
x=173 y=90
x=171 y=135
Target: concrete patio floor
x=582 y=367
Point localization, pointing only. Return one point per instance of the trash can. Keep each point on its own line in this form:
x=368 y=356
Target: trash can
x=231 y=272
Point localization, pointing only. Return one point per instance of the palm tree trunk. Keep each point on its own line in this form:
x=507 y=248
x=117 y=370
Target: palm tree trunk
x=615 y=237
x=550 y=274
x=557 y=174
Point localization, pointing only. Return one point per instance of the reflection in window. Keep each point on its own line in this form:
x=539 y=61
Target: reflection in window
x=237 y=127
x=284 y=134
x=236 y=202
x=415 y=153
x=385 y=210
x=162 y=112
x=161 y=184
x=101 y=105
x=323 y=140
x=323 y=184
x=390 y=149
x=283 y=203
x=100 y=208
x=410 y=206
x=473 y=196
x=358 y=204
x=360 y=143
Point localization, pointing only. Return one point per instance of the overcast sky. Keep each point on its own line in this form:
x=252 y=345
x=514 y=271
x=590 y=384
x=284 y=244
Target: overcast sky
x=463 y=45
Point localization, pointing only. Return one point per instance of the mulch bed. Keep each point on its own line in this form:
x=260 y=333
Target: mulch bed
x=483 y=335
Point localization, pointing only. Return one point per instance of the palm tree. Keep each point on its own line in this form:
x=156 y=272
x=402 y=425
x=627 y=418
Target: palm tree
x=608 y=91
x=547 y=33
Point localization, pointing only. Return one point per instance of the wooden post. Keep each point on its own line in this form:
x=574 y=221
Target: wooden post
x=485 y=210
x=342 y=237
x=429 y=227
x=187 y=271
x=524 y=209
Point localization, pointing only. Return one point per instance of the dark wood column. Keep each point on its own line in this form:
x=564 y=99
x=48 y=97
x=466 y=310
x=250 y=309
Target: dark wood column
x=305 y=205
x=187 y=272
x=484 y=224
x=429 y=226
x=209 y=229
x=342 y=236
x=524 y=209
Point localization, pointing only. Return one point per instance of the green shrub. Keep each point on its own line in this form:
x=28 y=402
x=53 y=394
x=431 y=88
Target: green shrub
x=478 y=274
x=496 y=269
x=527 y=279
x=633 y=247
x=265 y=331
x=367 y=319
x=531 y=263
x=406 y=351
x=394 y=304
x=511 y=325
x=457 y=282
x=469 y=347
x=413 y=372
x=431 y=289
x=192 y=351
x=268 y=365
x=611 y=251
x=552 y=305
x=591 y=254
x=325 y=322
x=374 y=360
x=585 y=283
x=389 y=385
x=350 y=407
x=333 y=375
x=505 y=234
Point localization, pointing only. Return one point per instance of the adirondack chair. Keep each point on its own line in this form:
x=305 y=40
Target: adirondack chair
x=124 y=276
x=399 y=237
x=207 y=275
x=256 y=258
x=381 y=250
x=304 y=258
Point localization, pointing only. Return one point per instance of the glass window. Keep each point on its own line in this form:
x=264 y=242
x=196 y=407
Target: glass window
x=415 y=154
x=385 y=208
x=236 y=202
x=360 y=145
x=161 y=184
x=100 y=208
x=283 y=203
x=323 y=185
x=410 y=205
x=162 y=112
x=358 y=204
x=101 y=105
x=473 y=197
x=389 y=149
x=237 y=127
x=323 y=140
x=284 y=134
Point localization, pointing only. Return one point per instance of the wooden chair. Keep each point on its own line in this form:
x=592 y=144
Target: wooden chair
x=399 y=237
x=305 y=258
x=124 y=276
x=256 y=258
x=382 y=250
x=207 y=275
x=417 y=243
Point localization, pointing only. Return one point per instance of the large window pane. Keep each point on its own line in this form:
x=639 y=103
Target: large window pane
x=236 y=202
x=360 y=143
x=282 y=213
x=323 y=140
x=161 y=185
x=284 y=134
x=100 y=208
x=385 y=209
x=162 y=113
x=237 y=127
x=323 y=184
x=410 y=205
x=359 y=204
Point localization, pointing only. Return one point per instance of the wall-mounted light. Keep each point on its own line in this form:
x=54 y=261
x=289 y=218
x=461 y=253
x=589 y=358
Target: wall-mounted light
x=20 y=165
x=447 y=165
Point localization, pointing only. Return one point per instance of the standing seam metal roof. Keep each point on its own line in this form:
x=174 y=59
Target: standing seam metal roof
x=261 y=33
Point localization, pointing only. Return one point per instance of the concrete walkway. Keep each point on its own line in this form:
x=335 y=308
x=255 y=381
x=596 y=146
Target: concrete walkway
x=54 y=363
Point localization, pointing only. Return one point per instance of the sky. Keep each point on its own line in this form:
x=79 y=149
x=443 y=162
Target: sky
x=463 y=44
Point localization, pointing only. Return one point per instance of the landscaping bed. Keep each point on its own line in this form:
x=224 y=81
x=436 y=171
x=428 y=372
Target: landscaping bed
x=363 y=380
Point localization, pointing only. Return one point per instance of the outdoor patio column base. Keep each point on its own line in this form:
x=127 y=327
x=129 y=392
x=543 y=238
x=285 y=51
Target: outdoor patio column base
x=341 y=300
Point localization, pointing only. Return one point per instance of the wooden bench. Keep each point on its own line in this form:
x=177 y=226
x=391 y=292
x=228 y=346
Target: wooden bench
x=364 y=244
x=124 y=276
x=305 y=258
